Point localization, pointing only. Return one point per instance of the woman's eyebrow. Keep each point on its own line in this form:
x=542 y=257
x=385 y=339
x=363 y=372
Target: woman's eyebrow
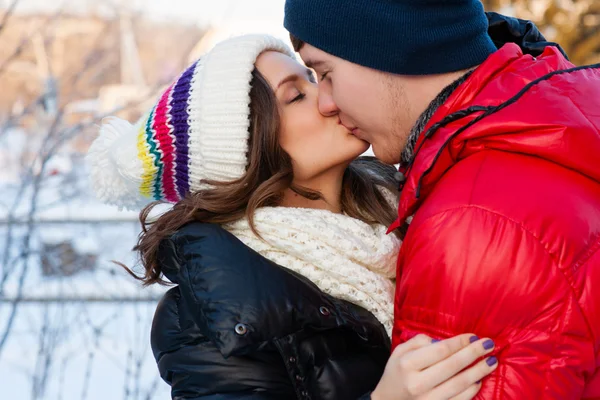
x=293 y=77
x=289 y=78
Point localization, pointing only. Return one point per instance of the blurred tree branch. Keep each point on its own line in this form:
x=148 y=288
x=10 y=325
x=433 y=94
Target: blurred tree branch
x=574 y=24
x=7 y=14
x=57 y=65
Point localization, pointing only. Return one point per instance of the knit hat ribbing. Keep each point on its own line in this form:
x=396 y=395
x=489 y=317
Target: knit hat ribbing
x=197 y=130
x=408 y=37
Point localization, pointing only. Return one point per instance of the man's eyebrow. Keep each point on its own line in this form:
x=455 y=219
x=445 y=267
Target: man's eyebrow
x=313 y=64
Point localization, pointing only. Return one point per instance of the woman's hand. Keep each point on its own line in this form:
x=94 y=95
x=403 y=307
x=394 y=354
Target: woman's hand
x=422 y=369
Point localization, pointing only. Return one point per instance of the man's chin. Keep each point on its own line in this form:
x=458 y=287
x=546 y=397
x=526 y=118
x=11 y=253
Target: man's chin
x=385 y=156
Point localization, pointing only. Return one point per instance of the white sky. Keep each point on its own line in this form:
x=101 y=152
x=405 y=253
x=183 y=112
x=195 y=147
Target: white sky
x=194 y=11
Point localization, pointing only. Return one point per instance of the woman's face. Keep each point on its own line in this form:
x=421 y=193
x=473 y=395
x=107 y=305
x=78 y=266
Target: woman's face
x=316 y=144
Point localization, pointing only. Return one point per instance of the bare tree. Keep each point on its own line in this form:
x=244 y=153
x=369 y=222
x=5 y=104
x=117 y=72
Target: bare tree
x=56 y=117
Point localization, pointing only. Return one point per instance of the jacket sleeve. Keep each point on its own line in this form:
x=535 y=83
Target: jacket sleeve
x=192 y=365
x=470 y=270
x=194 y=338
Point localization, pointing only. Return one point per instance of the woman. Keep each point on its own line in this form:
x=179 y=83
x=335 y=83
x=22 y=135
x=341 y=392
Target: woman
x=304 y=308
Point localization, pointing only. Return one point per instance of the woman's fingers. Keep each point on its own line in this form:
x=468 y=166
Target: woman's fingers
x=395 y=379
x=420 y=369
x=427 y=356
x=416 y=342
x=463 y=383
x=469 y=393
x=449 y=367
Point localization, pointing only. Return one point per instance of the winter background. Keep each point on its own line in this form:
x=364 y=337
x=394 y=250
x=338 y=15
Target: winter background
x=73 y=325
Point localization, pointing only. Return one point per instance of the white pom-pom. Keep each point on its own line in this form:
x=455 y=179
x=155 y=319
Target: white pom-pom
x=115 y=169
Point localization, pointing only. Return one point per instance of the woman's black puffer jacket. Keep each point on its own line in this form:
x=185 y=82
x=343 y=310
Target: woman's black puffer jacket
x=238 y=326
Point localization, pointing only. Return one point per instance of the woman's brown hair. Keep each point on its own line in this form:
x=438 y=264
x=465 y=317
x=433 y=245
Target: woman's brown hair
x=269 y=174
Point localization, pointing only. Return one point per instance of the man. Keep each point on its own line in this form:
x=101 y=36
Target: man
x=500 y=178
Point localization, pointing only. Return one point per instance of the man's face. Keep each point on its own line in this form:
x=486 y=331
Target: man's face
x=368 y=102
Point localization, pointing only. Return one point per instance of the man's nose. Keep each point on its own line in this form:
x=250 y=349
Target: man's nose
x=327 y=106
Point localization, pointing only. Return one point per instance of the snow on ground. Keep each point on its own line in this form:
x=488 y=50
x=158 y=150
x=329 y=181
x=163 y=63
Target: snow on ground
x=92 y=351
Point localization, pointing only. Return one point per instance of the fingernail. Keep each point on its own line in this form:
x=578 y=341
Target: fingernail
x=488 y=344
x=478 y=382
x=473 y=339
x=491 y=361
x=434 y=340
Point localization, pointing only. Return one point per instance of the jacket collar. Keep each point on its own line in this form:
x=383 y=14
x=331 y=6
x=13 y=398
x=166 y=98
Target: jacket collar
x=225 y=284
x=491 y=110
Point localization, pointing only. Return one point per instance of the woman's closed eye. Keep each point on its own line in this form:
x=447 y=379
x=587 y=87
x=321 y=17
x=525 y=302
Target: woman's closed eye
x=299 y=97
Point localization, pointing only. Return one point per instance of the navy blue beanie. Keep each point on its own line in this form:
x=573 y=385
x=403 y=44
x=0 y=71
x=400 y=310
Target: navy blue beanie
x=408 y=37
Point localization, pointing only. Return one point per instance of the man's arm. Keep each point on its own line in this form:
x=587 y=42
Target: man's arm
x=469 y=269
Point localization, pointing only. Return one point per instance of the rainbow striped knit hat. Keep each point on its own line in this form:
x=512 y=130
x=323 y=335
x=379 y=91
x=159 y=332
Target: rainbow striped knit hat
x=197 y=130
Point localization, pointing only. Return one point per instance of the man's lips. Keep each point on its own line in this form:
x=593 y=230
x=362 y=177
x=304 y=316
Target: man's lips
x=352 y=130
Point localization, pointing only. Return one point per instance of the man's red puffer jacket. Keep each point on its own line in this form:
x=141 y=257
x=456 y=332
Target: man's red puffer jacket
x=505 y=238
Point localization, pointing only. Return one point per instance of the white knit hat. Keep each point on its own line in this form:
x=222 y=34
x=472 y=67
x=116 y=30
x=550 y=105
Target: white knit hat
x=197 y=130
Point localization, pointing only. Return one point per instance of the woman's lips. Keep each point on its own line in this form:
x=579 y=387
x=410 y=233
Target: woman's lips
x=352 y=130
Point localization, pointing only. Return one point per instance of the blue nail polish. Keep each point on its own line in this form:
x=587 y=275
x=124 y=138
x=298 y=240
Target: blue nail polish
x=491 y=361
x=488 y=344
x=478 y=382
x=473 y=339
x=434 y=340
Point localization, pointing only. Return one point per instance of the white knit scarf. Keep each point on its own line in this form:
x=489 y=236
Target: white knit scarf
x=345 y=257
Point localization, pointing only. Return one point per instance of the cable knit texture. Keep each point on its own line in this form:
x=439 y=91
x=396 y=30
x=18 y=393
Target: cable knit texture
x=346 y=258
